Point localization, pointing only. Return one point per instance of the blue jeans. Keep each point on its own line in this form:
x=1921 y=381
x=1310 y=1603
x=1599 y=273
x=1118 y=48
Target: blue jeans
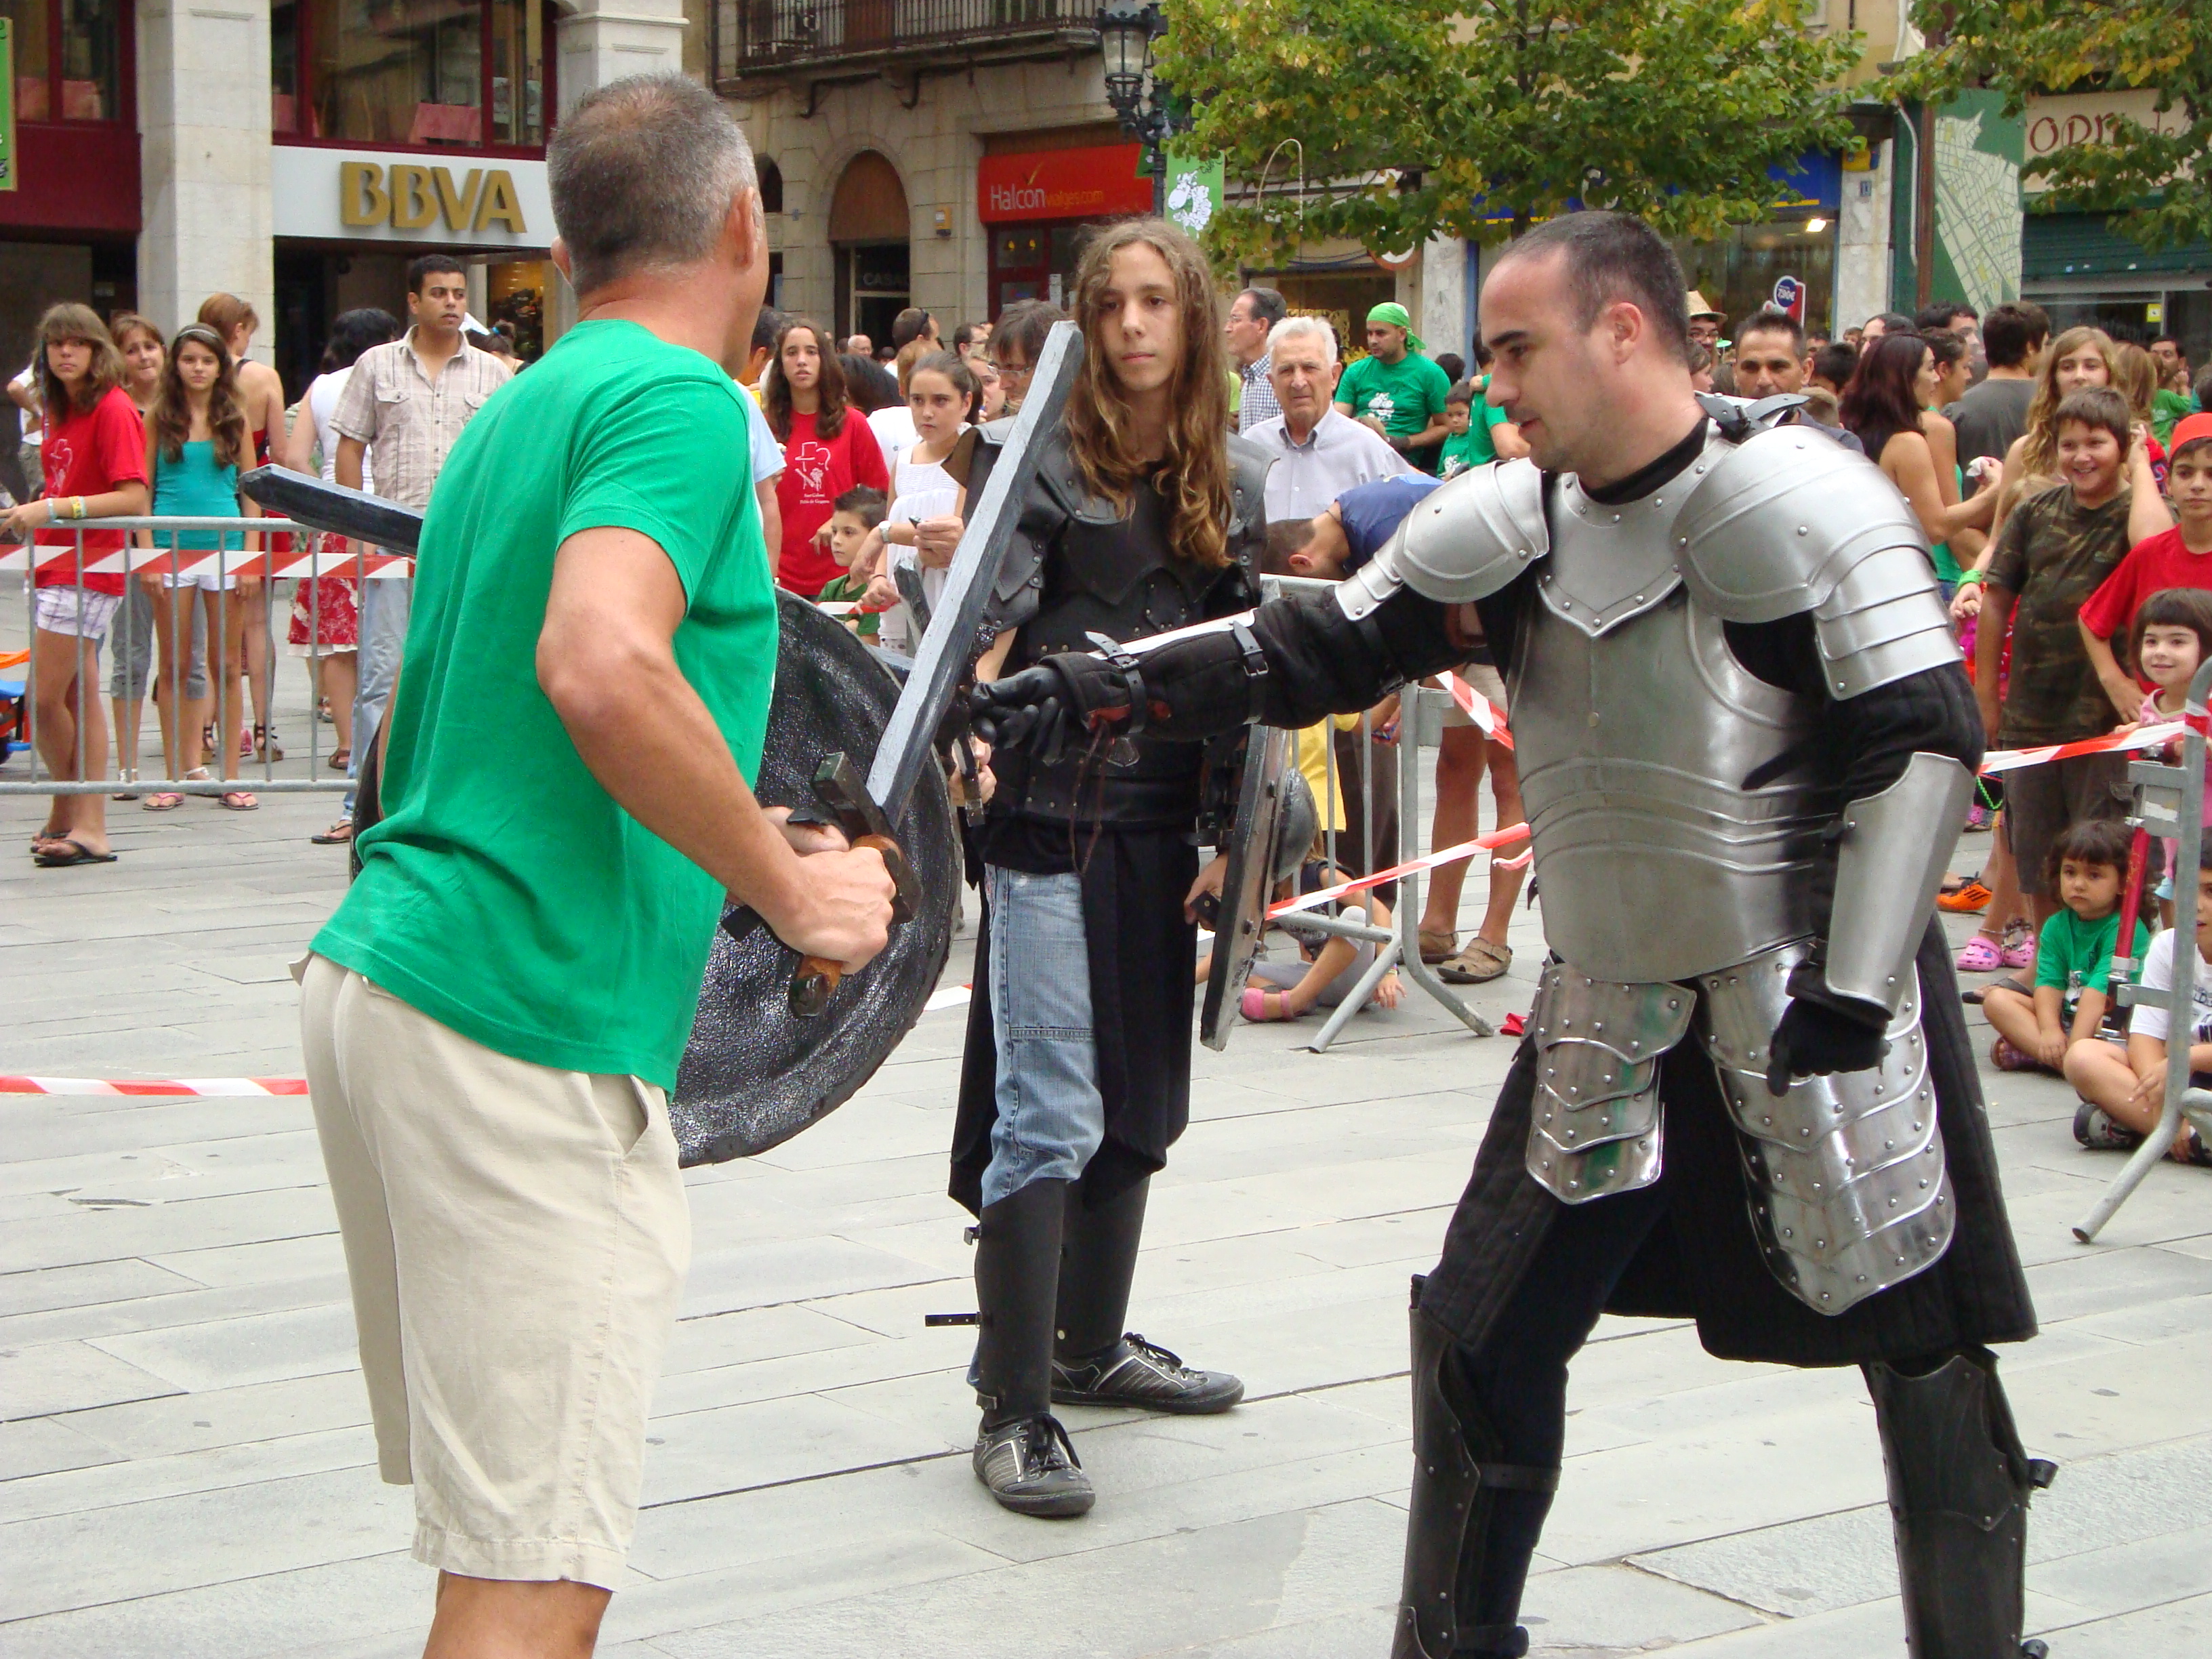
x=384 y=608
x=1051 y=1116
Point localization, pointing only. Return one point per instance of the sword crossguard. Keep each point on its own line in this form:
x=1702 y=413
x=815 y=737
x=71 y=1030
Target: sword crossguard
x=846 y=801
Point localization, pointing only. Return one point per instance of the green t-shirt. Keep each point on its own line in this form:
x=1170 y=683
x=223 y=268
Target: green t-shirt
x=2074 y=955
x=504 y=893
x=1405 y=396
x=866 y=623
x=1474 y=447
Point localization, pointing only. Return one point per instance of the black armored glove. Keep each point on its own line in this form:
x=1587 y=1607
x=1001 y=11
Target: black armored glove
x=1819 y=1037
x=1040 y=710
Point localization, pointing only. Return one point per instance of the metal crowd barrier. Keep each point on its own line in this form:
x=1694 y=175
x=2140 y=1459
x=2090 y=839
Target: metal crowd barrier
x=1421 y=725
x=154 y=545
x=2169 y=800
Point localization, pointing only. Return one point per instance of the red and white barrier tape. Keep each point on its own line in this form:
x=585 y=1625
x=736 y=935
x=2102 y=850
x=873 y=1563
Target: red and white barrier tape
x=952 y=996
x=1485 y=714
x=132 y=1085
x=1466 y=849
x=2143 y=737
x=189 y=561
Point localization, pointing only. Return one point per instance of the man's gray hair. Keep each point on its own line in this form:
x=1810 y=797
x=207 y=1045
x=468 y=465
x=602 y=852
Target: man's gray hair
x=642 y=172
x=1302 y=328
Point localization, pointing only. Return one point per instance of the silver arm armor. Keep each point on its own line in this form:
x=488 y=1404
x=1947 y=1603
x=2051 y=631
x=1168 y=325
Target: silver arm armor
x=1465 y=541
x=1895 y=844
x=1789 y=521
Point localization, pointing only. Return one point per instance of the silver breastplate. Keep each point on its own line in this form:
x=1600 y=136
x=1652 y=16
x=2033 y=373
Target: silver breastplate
x=1636 y=728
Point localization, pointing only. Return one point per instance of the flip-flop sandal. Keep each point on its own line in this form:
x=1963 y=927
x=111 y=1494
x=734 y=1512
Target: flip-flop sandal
x=78 y=853
x=336 y=835
x=1478 y=964
x=1254 y=1005
x=237 y=800
x=340 y=759
x=161 y=800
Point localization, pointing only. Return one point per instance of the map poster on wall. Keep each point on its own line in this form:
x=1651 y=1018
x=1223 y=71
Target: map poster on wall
x=1977 y=237
x=7 y=103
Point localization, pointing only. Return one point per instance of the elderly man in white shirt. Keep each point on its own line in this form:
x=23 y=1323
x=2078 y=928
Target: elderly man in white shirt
x=1319 y=454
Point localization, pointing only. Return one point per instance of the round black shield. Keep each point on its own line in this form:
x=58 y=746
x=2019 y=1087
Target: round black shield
x=752 y=1074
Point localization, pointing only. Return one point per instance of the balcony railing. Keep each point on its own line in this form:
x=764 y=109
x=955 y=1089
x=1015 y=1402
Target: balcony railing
x=761 y=37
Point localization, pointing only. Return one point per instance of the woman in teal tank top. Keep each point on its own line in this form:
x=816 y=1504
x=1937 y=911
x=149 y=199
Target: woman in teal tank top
x=196 y=439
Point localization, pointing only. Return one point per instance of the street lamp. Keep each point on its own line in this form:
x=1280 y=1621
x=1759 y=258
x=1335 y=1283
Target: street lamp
x=1141 y=101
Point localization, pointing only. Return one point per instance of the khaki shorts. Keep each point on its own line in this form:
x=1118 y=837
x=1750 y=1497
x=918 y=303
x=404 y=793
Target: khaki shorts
x=516 y=1238
x=1487 y=681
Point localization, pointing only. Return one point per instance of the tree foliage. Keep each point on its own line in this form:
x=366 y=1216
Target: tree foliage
x=1473 y=117
x=2157 y=184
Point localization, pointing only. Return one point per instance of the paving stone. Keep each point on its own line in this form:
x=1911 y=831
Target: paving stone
x=68 y=1377
x=81 y=1286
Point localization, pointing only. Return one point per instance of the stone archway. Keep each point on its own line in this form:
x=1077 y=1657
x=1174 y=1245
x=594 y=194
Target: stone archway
x=870 y=224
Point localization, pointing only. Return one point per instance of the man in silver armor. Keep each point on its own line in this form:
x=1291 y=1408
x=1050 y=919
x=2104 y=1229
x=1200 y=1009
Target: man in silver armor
x=1745 y=1095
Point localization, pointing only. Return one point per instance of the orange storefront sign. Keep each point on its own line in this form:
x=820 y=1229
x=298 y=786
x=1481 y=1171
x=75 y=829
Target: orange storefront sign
x=1094 y=183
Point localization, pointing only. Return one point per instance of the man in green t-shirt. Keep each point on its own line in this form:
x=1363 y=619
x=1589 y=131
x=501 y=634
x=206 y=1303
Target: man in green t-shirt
x=494 y=1014
x=1394 y=391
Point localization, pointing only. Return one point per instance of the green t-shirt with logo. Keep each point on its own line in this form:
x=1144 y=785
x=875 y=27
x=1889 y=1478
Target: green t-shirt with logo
x=1474 y=447
x=1405 y=396
x=504 y=893
x=2074 y=955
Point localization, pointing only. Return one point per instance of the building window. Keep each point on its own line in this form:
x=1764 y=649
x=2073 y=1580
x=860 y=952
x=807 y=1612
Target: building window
x=424 y=73
x=771 y=184
x=81 y=81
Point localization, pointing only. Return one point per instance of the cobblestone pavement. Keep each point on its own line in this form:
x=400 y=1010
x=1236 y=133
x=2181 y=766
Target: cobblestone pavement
x=185 y=1468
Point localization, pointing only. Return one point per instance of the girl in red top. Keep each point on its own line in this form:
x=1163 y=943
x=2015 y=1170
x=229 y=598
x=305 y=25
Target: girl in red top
x=94 y=456
x=828 y=448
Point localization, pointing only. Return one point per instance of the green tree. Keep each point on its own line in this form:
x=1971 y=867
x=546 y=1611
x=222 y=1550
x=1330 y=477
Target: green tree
x=1421 y=117
x=2156 y=183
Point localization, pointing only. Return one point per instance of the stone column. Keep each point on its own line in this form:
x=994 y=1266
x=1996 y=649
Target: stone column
x=203 y=113
x=600 y=42
x=1862 y=253
x=1442 y=320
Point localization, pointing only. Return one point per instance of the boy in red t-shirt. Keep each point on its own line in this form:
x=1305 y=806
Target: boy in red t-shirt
x=94 y=451
x=2179 y=557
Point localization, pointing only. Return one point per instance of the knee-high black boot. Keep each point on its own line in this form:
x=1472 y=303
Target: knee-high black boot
x=1022 y=1453
x=1096 y=1362
x=1474 y=1520
x=1959 y=1484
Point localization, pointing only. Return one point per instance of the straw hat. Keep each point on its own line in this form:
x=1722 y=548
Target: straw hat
x=1700 y=308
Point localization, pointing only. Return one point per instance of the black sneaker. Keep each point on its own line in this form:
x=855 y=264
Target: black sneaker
x=1031 y=1468
x=2094 y=1128
x=1135 y=1372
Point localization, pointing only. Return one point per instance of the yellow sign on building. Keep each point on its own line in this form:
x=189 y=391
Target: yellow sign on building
x=411 y=195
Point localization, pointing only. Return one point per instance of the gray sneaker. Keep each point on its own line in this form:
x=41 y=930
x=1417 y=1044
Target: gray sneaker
x=1135 y=1372
x=2094 y=1128
x=1030 y=1468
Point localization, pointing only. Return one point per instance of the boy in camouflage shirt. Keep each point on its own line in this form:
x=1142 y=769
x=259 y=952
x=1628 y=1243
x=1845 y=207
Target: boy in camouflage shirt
x=2053 y=553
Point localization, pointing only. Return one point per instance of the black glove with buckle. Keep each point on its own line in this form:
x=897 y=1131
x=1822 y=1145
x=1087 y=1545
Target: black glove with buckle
x=1042 y=709
x=1821 y=1032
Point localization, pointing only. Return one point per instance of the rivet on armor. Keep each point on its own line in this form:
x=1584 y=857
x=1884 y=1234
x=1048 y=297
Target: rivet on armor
x=1673 y=1002
x=1824 y=1296
x=1804 y=529
x=1598 y=1026
x=1700 y=467
x=1616 y=518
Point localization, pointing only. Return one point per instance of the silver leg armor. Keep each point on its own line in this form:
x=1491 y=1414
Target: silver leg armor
x=1844 y=1173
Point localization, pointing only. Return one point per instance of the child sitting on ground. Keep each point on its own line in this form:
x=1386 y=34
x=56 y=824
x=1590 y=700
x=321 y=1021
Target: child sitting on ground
x=1327 y=967
x=853 y=544
x=2089 y=863
x=2123 y=1094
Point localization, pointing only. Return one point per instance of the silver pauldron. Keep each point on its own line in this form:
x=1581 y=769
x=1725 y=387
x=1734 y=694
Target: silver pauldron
x=1464 y=541
x=1895 y=844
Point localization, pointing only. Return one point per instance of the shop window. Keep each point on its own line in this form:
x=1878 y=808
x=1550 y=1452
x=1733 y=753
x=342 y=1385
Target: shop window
x=427 y=74
x=82 y=81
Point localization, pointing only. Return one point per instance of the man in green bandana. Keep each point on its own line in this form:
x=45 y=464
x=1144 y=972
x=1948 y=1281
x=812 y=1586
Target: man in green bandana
x=1397 y=391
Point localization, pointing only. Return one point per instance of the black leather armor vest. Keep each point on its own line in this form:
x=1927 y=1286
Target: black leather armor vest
x=1079 y=567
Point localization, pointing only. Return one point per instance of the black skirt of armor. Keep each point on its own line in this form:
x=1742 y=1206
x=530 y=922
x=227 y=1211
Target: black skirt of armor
x=1702 y=1262
x=1143 y=964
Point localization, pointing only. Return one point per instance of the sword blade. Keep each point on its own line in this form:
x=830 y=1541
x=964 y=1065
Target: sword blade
x=333 y=507
x=942 y=661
